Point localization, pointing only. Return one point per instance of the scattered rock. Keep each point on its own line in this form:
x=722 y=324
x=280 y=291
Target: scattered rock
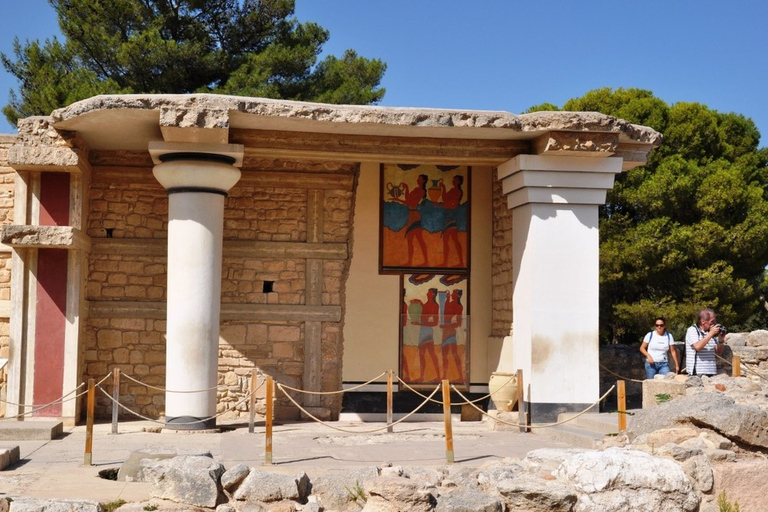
x=619 y=480
x=22 y=504
x=190 y=479
x=269 y=487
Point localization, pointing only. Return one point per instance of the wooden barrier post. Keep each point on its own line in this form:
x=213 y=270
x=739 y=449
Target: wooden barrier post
x=521 y=402
x=389 y=401
x=621 y=404
x=447 y=421
x=88 y=458
x=252 y=402
x=736 y=366
x=115 y=397
x=268 y=422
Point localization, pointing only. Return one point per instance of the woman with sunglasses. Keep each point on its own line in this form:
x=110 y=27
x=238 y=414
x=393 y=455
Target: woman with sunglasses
x=655 y=346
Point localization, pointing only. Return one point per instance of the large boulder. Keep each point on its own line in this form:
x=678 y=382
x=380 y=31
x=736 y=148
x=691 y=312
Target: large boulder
x=617 y=480
x=339 y=490
x=463 y=499
x=188 y=479
x=265 y=487
x=743 y=424
x=396 y=494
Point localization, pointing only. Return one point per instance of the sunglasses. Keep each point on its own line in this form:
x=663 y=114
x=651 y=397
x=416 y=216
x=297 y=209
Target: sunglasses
x=660 y=325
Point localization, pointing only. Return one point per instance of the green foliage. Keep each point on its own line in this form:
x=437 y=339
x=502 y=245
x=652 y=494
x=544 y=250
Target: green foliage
x=357 y=494
x=690 y=228
x=112 y=505
x=244 y=47
x=723 y=505
x=150 y=508
x=663 y=397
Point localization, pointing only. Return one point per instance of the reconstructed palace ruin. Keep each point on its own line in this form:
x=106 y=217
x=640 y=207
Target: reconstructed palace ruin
x=187 y=239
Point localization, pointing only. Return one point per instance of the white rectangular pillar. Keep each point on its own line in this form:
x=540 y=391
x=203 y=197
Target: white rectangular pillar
x=555 y=302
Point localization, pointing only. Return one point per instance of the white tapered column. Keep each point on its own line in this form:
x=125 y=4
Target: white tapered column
x=197 y=178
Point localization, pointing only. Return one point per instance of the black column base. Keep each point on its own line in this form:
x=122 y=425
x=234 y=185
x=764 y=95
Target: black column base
x=547 y=412
x=189 y=423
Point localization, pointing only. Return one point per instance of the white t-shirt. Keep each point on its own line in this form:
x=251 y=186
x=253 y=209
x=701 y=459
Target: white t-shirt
x=658 y=346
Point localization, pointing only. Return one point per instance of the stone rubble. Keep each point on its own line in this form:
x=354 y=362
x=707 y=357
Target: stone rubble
x=678 y=455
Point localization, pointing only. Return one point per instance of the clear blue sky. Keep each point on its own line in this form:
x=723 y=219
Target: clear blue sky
x=510 y=55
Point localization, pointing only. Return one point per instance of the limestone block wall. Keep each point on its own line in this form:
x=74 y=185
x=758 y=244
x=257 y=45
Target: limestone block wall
x=501 y=263
x=7 y=177
x=278 y=221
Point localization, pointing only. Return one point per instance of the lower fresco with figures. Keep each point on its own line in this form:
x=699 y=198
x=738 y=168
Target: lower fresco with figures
x=434 y=335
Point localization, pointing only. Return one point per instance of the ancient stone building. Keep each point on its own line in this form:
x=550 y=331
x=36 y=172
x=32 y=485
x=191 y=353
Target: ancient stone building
x=187 y=239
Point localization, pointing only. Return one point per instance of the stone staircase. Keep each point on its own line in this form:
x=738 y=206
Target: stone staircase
x=582 y=431
x=30 y=430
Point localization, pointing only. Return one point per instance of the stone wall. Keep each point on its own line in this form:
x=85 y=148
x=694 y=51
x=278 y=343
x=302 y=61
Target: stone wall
x=275 y=217
x=7 y=178
x=501 y=263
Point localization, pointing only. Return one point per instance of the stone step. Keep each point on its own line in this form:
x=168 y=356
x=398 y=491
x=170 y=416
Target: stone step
x=604 y=423
x=30 y=430
x=582 y=431
x=8 y=455
x=575 y=436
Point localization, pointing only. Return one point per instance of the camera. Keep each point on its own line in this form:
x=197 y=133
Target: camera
x=723 y=330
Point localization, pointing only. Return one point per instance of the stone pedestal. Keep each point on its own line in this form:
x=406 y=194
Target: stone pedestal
x=652 y=388
x=197 y=179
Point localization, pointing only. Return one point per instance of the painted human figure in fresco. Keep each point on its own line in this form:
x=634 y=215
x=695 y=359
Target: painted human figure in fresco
x=414 y=231
x=404 y=321
x=451 y=201
x=453 y=316
x=427 y=320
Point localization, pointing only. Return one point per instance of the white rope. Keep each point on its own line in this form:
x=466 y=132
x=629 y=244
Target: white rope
x=335 y=392
x=547 y=425
x=467 y=402
x=619 y=376
x=55 y=402
x=229 y=409
x=280 y=387
x=741 y=365
x=168 y=390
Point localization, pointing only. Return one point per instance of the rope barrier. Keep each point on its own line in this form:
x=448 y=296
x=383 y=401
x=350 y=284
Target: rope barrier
x=168 y=390
x=232 y=408
x=619 y=376
x=546 y=425
x=742 y=366
x=335 y=392
x=62 y=399
x=467 y=402
x=280 y=387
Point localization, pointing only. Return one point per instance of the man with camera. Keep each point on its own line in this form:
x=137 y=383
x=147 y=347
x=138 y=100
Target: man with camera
x=703 y=343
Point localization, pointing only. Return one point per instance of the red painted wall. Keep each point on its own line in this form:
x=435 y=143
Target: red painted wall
x=51 y=298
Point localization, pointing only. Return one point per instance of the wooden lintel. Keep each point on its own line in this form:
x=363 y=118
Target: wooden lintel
x=229 y=312
x=45 y=237
x=387 y=149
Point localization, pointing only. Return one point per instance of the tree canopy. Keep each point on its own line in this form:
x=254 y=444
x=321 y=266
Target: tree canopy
x=690 y=228
x=242 y=47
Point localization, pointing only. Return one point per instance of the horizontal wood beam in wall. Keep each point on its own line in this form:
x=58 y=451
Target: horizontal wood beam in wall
x=296 y=179
x=255 y=178
x=232 y=248
x=229 y=312
x=287 y=250
x=356 y=148
x=45 y=237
